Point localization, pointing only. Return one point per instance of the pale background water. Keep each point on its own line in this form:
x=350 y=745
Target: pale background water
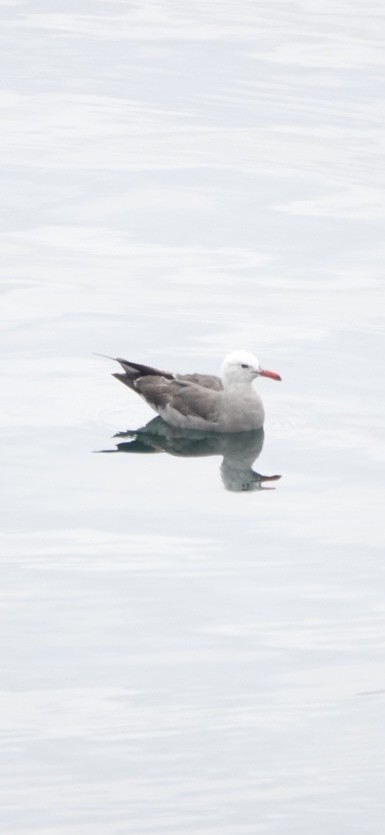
x=180 y=179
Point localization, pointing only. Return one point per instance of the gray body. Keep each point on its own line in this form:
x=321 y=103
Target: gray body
x=196 y=401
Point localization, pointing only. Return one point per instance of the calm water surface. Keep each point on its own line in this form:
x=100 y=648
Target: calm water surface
x=178 y=655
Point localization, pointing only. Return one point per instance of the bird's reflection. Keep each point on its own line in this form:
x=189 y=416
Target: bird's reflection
x=239 y=450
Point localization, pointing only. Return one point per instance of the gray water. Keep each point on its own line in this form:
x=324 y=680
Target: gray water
x=180 y=179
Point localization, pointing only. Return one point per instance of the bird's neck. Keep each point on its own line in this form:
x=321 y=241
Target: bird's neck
x=236 y=385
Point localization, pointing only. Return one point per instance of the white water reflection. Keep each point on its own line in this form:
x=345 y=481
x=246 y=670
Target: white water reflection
x=180 y=180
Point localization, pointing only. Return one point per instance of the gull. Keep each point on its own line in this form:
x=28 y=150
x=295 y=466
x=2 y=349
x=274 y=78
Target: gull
x=228 y=403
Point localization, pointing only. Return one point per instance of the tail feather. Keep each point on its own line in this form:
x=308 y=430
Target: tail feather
x=136 y=367
x=134 y=370
x=139 y=370
x=126 y=379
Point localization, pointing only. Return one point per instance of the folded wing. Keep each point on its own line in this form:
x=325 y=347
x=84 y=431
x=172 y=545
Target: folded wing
x=181 y=396
x=189 y=395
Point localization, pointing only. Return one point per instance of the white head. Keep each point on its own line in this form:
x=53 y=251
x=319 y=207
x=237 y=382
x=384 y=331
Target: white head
x=240 y=368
